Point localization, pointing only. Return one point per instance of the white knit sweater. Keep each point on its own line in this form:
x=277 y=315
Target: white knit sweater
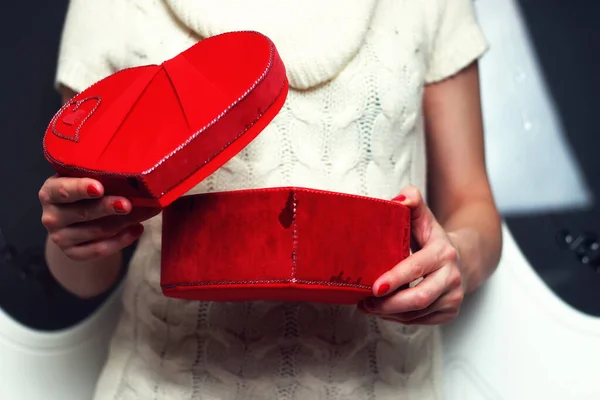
x=352 y=123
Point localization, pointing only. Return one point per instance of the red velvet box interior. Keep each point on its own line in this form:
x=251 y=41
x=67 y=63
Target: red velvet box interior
x=151 y=133
x=286 y=244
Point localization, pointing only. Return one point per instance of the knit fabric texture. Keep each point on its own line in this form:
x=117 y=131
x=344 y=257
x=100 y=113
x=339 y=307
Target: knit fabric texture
x=352 y=123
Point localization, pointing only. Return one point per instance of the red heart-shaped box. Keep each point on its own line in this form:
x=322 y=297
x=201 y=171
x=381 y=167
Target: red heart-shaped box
x=285 y=244
x=151 y=133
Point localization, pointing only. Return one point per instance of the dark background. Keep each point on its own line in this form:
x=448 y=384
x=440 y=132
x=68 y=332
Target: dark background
x=31 y=33
x=566 y=37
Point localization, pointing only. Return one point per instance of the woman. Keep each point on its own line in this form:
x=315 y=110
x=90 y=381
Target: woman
x=384 y=102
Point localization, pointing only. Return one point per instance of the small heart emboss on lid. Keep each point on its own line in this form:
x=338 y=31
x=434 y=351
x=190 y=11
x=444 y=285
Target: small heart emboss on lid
x=70 y=119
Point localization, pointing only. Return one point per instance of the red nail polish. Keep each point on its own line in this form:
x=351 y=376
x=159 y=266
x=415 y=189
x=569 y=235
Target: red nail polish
x=119 y=207
x=93 y=191
x=400 y=198
x=383 y=289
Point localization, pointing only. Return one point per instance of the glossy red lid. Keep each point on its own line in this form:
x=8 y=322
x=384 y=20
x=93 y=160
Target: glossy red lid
x=151 y=133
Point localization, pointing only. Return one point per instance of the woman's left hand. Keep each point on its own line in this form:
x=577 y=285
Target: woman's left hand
x=437 y=298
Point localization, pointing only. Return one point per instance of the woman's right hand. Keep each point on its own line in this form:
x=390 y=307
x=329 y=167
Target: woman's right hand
x=85 y=224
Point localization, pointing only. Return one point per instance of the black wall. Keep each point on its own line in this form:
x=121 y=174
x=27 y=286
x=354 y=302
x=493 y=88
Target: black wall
x=30 y=32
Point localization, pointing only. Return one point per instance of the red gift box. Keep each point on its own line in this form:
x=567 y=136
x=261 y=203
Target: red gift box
x=151 y=133
x=291 y=244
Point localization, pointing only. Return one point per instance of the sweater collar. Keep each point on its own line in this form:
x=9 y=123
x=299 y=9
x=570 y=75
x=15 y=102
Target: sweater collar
x=316 y=39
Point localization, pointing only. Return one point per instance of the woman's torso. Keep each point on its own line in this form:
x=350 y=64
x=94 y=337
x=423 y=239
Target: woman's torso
x=352 y=126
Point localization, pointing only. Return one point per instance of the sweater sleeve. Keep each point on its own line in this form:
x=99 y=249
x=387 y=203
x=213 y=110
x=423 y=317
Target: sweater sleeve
x=91 y=37
x=456 y=39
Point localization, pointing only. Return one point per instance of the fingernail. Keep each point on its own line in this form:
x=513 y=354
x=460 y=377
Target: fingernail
x=93 y=191
x=119 y=207
x=383 y=289
x=400 y=198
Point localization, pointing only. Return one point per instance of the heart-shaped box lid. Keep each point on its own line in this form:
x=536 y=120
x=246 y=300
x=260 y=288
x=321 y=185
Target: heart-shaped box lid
x=153 y=132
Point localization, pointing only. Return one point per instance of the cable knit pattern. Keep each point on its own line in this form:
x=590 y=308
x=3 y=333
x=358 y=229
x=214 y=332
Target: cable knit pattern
x=352 y=123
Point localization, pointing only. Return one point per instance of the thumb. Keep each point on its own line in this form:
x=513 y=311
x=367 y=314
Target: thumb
x=424 y=226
